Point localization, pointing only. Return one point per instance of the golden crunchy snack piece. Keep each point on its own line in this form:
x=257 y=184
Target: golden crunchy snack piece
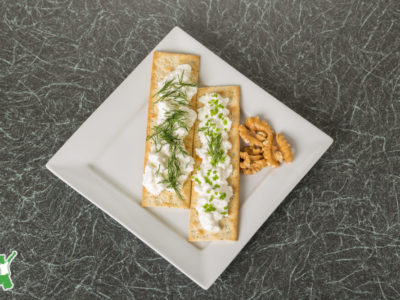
x=262 y=130
x=277 y=154
x=253 y=150
x=250 y=164
x=262 y=150
x=269 y=156
x=257 y=125
x=244 y=160
x=249 y=137
x=284 y=147
x=255 y=167
x=255 y=157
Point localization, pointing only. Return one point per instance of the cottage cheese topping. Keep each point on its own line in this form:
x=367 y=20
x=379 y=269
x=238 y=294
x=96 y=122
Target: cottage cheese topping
x=211 y=177
x=168 y=164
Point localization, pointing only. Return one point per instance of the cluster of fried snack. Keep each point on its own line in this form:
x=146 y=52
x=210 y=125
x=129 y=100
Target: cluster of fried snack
x=262 y=150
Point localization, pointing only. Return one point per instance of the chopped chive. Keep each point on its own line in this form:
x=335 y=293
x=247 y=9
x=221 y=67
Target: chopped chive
x=208 y=207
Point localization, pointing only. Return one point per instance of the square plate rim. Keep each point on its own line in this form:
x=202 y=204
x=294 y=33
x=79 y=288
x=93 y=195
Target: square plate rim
x=55 y=165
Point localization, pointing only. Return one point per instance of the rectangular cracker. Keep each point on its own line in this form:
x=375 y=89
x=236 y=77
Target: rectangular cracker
x=229 y=224
x=164 y=63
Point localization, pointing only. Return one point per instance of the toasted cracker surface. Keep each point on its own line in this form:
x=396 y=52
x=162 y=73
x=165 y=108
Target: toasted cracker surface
x=164 y=63
x=229 y=224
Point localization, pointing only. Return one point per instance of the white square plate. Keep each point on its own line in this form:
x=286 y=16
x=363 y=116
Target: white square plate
x=103 y=160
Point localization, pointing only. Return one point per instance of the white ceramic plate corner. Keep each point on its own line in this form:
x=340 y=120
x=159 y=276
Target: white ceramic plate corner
x=103 y=161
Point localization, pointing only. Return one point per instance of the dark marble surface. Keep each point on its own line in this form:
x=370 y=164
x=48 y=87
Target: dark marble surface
x=336 y=236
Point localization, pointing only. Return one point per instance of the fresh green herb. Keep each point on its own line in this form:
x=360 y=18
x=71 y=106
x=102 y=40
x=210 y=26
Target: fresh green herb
x=214 y=111
x=172 y=91
x=209 y=208
x=222 y=196
x=197 y=180
x=207 y=180
x=203 y=128
x=226 y=207
x=215 y=147
x=215 y=177
x=217 y=186
x=164 y=134
x=174 y=172
x=158 y=170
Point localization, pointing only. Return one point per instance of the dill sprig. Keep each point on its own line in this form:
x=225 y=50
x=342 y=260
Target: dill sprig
x=172 y=91
x=165 y=133
x=173 y=174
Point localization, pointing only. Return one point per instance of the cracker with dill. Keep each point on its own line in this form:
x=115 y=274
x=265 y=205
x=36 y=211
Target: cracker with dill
x=164 y=63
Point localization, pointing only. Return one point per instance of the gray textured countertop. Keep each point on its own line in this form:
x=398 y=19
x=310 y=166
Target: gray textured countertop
x=337 y=235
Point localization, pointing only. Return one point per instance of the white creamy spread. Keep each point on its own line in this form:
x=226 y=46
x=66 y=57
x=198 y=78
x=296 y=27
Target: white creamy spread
x=211 y=177
x=173 y=99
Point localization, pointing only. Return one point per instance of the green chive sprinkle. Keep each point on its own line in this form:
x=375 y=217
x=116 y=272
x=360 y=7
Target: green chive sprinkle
x=208 y=207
